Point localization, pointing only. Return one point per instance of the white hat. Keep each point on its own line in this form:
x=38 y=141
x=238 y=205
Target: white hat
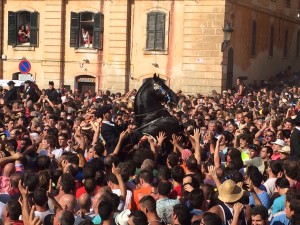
x=122 y=218
x=278 y=142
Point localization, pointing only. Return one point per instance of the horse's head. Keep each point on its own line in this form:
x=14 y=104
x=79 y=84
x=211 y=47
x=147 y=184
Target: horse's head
x=162 y=91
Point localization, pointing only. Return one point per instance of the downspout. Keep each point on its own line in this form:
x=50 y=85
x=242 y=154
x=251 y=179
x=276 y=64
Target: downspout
x=1 y=39
x=128 y=45
x=63 y=43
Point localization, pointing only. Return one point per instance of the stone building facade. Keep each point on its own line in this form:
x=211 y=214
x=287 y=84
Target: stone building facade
x=115 y=44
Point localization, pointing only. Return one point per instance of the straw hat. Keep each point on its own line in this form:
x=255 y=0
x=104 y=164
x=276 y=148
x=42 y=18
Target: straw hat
x=285 y=149
x=229 y=191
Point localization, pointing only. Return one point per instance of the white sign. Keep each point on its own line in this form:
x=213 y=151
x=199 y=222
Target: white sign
x=24 y=77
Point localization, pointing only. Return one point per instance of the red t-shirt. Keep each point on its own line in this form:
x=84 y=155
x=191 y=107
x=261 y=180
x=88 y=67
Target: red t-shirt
x=176 y=192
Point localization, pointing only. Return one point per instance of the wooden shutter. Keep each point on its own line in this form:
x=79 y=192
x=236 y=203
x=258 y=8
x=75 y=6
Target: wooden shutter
x=74 y=32
x=34 y=29
x=160 y=31
x=12 y=28
x=98 y=31
x=151 y=24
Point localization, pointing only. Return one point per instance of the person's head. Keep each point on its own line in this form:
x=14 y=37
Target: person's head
x=40 y=197
x=259 y=215
x=85 y=202
x=66 y=183
x=49 y=142
x=64 y=217
x=63 y=140
x=148 y=204
x=105 y=210
x=256 y=177
x=69 y=202
x=90 y=185
x=209 y=218
x=177 y=173
x=31 y=180
x=137 y=217
x=292 y=205
x=276 y=168
x=291 y=169
x=13 y=209
x=266 y=152
x=181 y=215
x=43 y=162
x=191 y=164
x=164 y=188
x=196 y=198
x=282 y=184
x=253 y=150
x=145 y=177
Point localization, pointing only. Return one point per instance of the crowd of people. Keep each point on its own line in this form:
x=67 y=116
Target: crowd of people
x=66 y=158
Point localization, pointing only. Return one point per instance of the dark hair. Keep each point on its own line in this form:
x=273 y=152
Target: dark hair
x=164 y=188
x=177 y=174
x=105 y=208
x=139 y=218
x=191 y=163
x=67 y=183
x=291 y=168
x=40 y=197
x=196 y=198
x=43 y=162
x=211 y=219
x=269 y=149
x=173 y=159
x=163 y=173
x=282 y=182
x=149 y=202
x=14 y=209
x=99 y=149
x=256 y=178
x=112 y=178
x=146 y=176
x=276 y=167
x=89 y=171
x=183 y=214
x=32 y=181
x=127 y=169
x=90 y=185
x=259 y=210
x=66 y=218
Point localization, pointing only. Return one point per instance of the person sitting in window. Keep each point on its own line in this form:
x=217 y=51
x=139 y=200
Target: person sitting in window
x=85 y=38
x=27 y=29
x=22 y=34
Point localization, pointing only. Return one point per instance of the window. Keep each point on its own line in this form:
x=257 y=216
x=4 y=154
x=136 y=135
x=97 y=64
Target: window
x=271 y=41
x=286 y=39
x=298 y=45
x=288 y=3
x=86 y=30
x=22 y=28
x=156 y=31
x=253 y=39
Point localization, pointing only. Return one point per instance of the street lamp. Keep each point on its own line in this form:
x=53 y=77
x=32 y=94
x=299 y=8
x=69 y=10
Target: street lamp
x=227 y=36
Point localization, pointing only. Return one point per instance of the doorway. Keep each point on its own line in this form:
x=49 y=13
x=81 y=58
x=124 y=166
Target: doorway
x=229 y=69
x=85 y=83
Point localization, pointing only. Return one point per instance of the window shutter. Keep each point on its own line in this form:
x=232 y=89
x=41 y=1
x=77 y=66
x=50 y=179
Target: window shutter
x=34 y=29
x=151 y=22
x=12 y=28
x=160 y=31
x=74 y=35
x=98 y=31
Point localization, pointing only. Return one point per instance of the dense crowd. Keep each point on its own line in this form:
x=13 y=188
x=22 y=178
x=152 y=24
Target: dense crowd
x=65 y=158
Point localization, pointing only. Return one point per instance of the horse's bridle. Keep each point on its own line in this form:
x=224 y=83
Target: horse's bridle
x=162 y=91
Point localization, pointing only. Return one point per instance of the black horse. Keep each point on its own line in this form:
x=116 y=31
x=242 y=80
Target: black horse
x=151 y=115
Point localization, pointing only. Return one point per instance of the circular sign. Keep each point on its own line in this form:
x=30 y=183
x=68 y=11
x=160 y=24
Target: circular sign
x=24 y=66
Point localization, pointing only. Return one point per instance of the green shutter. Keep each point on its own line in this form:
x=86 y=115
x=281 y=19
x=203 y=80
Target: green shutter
x=151 y=22
x=74 y=32
x=98 y=31
x=160 y=31
x=12 y=28
x=34 y=29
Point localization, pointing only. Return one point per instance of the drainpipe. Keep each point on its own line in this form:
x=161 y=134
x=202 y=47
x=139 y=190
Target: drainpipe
x=128 y=45
x=63 y=43
x=1 y=39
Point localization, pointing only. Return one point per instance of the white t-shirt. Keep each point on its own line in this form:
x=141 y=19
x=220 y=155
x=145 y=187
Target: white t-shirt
x=270 y=186
x=42 y=215
x=128 y=199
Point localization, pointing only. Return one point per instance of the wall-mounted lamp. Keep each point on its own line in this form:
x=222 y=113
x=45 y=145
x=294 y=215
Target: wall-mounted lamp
x=86 y=60
x=155 y=65
x=227 y=36
x=298 y=14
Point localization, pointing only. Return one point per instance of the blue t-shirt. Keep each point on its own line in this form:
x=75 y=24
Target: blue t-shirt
x=280 y=219
x=263 y=197
x=278 y=204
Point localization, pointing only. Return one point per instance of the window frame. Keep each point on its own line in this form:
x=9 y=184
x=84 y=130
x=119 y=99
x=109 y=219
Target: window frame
x=13 y=26
x=75 y=30
x=164 y=51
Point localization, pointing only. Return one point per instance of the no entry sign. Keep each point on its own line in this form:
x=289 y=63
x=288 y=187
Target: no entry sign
x=24 y=66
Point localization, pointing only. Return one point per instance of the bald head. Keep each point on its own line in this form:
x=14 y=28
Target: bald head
x=68 y=202
x=84 y=202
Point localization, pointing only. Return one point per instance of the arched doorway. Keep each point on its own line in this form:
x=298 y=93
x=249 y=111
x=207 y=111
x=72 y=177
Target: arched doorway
x=85 y=83
x=229 y=68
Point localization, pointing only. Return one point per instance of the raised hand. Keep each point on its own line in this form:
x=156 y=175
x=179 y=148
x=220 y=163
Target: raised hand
x=238 y=208
x=160 y=138
x=34 y=220
x=197 y=134
x=115 y=170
